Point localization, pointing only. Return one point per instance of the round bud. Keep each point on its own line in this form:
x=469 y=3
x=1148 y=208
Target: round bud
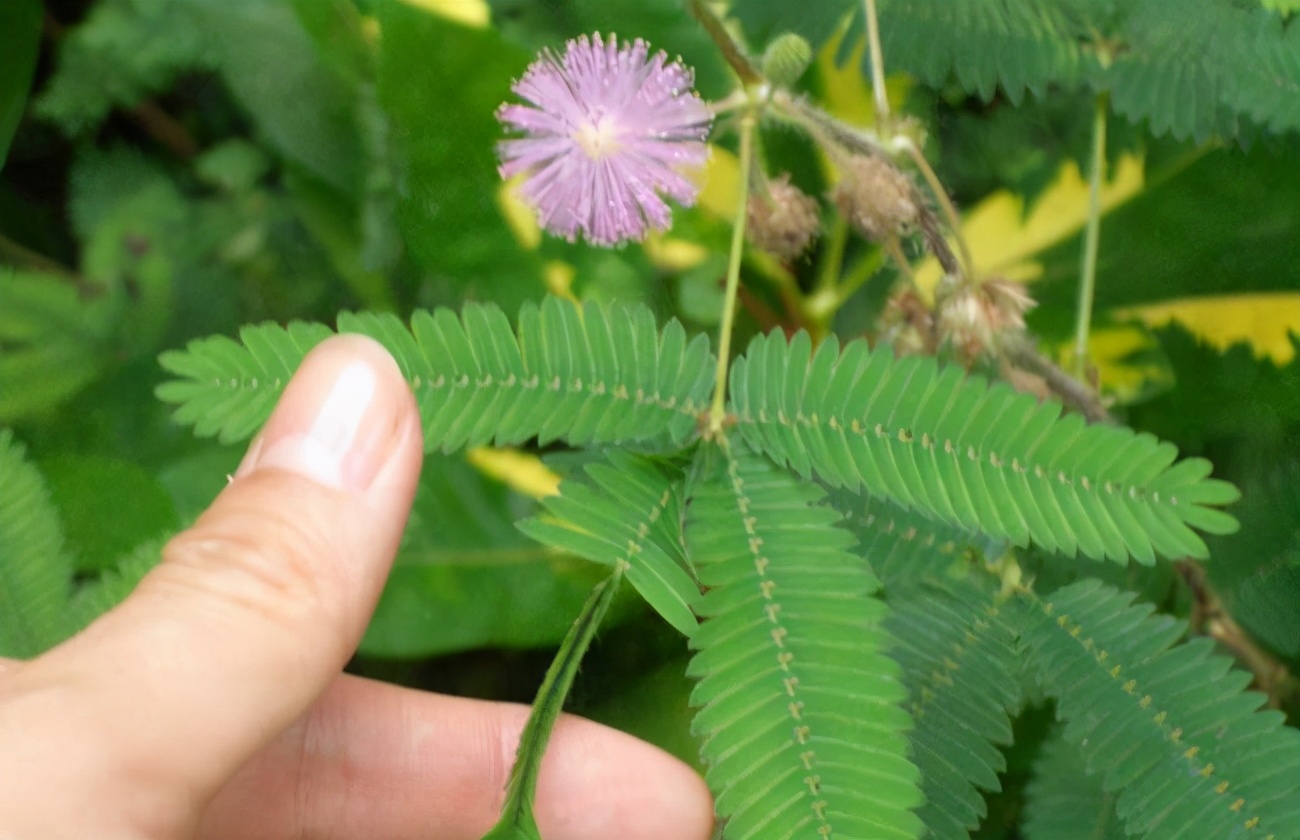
x=784 y=221
x=785 y=59
x=875 y=197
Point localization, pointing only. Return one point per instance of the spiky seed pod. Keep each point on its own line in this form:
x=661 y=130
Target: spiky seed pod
x=783 y=222
x=875 y=197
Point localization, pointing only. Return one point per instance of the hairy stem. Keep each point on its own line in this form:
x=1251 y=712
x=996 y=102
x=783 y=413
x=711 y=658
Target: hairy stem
x=718 y=413
x=1091 y=236
x=945 y=204
x=1021 y=353
x=877 y=63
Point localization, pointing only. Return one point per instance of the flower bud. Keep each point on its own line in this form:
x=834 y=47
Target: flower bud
x=784 y=221
x=875 y=197
x=971 y=317
x=785 y=59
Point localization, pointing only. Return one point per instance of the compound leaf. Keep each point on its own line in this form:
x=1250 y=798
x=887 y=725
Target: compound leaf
x=583 y=374
x=973 y=455
x=799 y=714
x=34 y=567
x=1168 y=726
x=960 y=665
x=1063 y=803
x=627 y=514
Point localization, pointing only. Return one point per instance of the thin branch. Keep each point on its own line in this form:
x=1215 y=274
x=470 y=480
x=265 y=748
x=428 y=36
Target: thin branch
x=718 y=413
x=1021 y=353
x=1088 y=270
x=731 y=50
x=877 y=64
x=945 y=204
x=1211 y=618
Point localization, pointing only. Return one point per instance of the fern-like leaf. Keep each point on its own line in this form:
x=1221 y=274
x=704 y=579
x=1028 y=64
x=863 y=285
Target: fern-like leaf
x=34 y=568
x=1063 y=803
x=1169 y=727
x=577 y=373
x=960 y=664
x=978 y=456
x=798 y=705
x=628 y=515
x=904 y=548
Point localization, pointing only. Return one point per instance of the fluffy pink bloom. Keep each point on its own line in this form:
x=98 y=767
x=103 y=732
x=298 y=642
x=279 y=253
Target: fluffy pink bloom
x=608 y=128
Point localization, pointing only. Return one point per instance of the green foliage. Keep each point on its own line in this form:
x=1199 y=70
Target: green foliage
x=627 y=516
x=984 y=458
x=517 y=821
x=798 y=705
x=20 y=31
x=1169 y=728
x=1064 y=803
x=474 y=378
x=960 y=665
x=34 y=567
x=465 y=578
x=184 y=168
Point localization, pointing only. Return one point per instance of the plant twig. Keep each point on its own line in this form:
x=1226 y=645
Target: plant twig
x=877 y=64
x=945 y=204
x=1211 y=618
x=1021 y=353
x=731 y=51
x=1088 y=269
x=718 y=412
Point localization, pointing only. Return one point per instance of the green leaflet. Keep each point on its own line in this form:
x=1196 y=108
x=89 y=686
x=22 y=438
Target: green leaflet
x=627 y=515
x=34 y=568
x=517 y=821
x=580 y=374
x=1167 y=725
x=1064 y=803
x=982 y=457
x=904 y=548
x=961 y=668
x=798 y=705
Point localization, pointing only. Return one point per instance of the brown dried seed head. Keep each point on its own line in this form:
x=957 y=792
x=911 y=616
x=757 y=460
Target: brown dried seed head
x=784 y=221
x=875 y=197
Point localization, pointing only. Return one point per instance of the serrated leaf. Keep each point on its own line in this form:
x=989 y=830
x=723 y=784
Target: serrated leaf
x=798 y=705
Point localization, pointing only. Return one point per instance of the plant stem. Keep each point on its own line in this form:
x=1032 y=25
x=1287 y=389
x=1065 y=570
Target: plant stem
x=1088 y=271
x=945 y=203
x=731 y=51
x=718 y=413
x=877 y=64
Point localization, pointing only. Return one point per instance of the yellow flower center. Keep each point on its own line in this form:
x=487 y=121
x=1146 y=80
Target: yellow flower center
x=598 y=137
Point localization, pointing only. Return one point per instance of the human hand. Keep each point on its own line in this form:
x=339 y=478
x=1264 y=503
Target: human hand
x=210 y=703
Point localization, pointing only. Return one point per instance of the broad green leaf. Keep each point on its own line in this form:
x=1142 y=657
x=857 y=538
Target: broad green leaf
x=517 y=821
x=440 y=83
x=466 y=579
x=108 y=507
x=1169 y=727
x=799 y=715
x=20 y=38
x=35 y=570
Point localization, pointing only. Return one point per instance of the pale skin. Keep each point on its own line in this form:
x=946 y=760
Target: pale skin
x=211 y=703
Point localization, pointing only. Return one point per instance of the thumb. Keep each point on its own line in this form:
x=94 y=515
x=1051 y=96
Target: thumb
x=251 y=614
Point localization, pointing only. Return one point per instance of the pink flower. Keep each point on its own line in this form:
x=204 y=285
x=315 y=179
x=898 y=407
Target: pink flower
x=607 y=129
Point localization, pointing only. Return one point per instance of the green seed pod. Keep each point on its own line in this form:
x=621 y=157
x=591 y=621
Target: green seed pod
x=785 y=59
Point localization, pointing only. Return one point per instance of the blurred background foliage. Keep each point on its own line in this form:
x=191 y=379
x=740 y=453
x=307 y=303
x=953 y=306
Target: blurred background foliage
x=176 y=168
